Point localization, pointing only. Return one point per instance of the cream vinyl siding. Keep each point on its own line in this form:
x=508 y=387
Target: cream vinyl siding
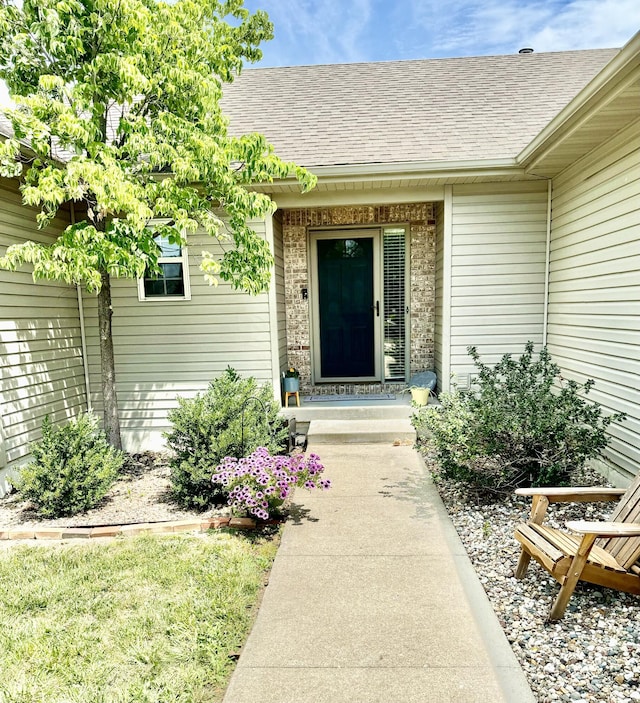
x=166 y=348
x=278 y=282
x=439 y=295
x=41 y=370
x=594 y=294
x=497 y=270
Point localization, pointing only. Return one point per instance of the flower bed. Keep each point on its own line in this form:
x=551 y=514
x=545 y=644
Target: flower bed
x=260 y=483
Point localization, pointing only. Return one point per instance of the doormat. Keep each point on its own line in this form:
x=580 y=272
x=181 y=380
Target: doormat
x=348 y=397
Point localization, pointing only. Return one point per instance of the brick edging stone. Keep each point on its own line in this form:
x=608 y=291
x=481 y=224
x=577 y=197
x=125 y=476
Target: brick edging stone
x=165 y=527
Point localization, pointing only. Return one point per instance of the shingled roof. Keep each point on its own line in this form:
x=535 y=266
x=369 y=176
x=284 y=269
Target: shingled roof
x=461 y=109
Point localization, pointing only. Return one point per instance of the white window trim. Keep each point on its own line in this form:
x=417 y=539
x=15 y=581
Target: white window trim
x=184 y=260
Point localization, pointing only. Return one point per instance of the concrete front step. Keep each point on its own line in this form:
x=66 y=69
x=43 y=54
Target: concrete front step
x=346 y=411
x=372 y=431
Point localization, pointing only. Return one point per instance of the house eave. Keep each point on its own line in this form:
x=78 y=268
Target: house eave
x=421 y=169
x=603 y=107
x=368 y=184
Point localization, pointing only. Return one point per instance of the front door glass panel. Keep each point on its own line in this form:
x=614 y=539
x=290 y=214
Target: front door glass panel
x=346 y=305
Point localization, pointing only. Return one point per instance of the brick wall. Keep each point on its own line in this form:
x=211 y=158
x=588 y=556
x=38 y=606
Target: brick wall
x=296 y=224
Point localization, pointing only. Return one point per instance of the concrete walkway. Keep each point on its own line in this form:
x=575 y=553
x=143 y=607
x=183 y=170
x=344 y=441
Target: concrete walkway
x=372 y=598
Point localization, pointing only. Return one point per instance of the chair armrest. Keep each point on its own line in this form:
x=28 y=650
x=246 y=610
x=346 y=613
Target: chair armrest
x=570 y=494
x=605 y=529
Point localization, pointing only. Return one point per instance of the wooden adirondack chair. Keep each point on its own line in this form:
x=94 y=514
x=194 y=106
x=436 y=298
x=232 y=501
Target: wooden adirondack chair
x=603 y=553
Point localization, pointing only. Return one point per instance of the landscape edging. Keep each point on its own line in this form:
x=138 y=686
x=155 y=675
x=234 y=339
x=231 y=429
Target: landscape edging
x=162 y=527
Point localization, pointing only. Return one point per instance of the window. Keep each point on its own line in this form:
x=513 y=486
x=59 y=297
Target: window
x=396 y=296
x=173 y=282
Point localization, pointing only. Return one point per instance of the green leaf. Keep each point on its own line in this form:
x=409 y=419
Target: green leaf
x=120 y=103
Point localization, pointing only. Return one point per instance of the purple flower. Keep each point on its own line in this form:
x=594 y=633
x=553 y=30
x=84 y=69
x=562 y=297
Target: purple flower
x=260 y=482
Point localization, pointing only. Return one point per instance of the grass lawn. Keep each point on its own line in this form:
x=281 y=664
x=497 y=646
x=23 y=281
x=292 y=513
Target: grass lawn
x=149 y=619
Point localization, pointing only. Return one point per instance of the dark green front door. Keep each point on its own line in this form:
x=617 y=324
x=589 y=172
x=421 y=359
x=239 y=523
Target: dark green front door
x=346 y=307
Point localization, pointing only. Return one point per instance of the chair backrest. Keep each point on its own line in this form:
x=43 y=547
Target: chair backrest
x=626 y=551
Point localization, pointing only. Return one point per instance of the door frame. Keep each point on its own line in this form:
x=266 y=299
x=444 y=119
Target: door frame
x=345 y=232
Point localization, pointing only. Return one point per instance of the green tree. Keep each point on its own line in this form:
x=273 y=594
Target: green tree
x=119 y=102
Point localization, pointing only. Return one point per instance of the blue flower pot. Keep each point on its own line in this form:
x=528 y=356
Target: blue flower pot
x=291 y=385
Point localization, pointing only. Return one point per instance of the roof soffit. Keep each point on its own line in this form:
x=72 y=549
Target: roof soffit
x=606 y=105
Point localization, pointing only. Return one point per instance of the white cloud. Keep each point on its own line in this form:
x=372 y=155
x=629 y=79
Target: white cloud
x=336 y=31
x=316 y=31
x=590 y=24
x=503 y=26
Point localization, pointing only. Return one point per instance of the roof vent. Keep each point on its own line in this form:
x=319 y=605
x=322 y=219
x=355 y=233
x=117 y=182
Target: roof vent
x=526 y=50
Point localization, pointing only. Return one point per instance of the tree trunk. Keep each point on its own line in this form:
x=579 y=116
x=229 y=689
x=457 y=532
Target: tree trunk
x=105 y=313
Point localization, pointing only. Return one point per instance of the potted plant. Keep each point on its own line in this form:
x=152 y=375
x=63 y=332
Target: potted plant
x=421 y=386
x=291 y=380
x=420 y=395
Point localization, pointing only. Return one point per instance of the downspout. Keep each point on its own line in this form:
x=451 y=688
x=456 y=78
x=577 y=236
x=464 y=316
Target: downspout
x=447 y=264
x=3 y=450
x=83 y=335
x=5 y=486
x=83 y=341
x=273 y=314
x=547 y=261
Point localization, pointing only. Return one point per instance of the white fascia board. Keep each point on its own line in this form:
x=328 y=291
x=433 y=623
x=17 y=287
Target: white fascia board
x=412 y=169
x=611 y=74
x=365 y=175
x=364 y=196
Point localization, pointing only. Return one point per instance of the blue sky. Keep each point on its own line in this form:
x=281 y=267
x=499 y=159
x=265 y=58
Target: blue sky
x=344 y=31
x=338 y=31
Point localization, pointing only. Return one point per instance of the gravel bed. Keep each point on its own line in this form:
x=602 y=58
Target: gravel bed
x=593 y=654
x=141 y=495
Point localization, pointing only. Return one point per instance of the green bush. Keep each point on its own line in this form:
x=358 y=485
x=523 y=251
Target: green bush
x=521 y=424
x=209 y=427
x=72 y=469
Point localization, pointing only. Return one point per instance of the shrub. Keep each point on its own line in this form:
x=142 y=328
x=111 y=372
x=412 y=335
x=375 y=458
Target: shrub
x=232 y=418
x=260 y=483
x=72 y=469
x=521 y=424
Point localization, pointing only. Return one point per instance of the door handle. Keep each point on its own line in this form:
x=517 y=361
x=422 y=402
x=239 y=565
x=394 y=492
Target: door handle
x=377 y=308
